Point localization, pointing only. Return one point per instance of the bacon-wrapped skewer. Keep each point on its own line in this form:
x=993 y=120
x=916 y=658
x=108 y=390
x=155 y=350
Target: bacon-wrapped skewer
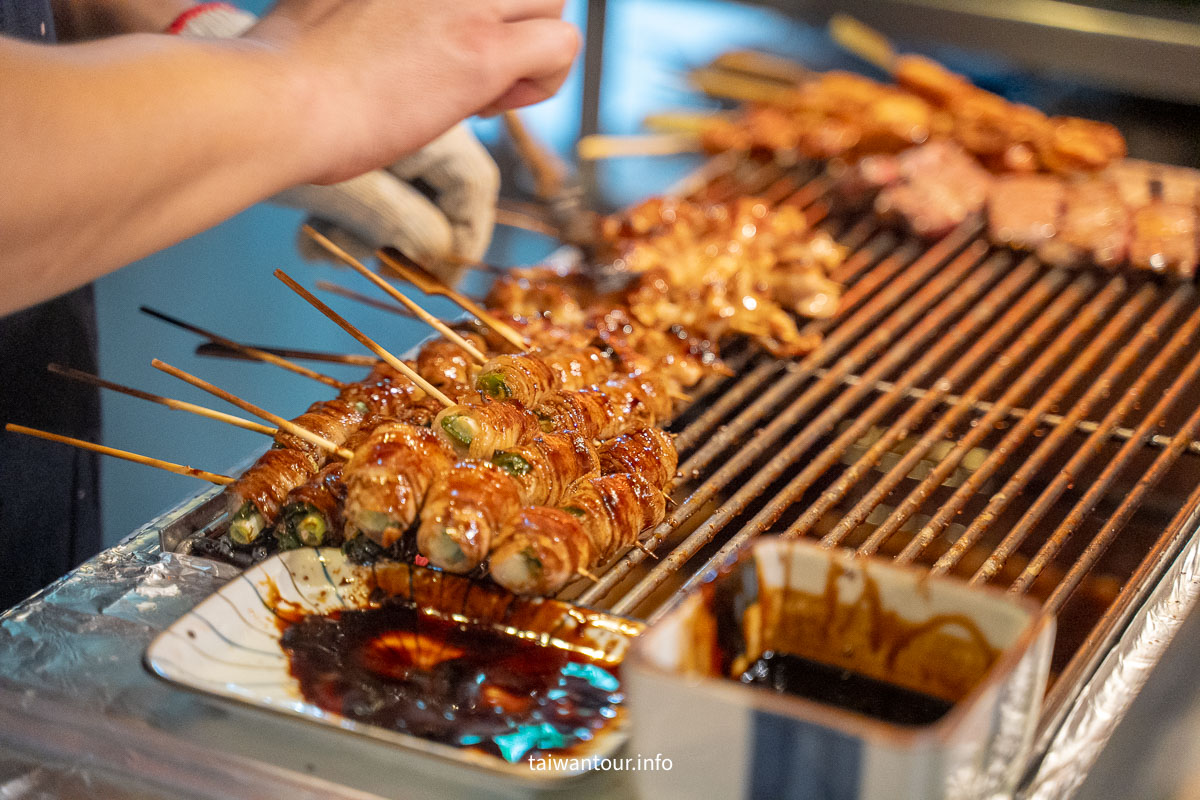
x=255 y=499
x=530 y=377
x=388 y=478
x=335 y=420
x=542 y=549
x=649 y=452
x=463 y=513
x=479 y=429
x=545 y=468
x=312 y=514
x=446 y=365
x=608 y=409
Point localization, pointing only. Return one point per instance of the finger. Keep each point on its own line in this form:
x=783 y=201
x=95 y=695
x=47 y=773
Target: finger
x=381 y=210
x=467 y=183
x=522 y=93
x=517 y=10
x=538 y=50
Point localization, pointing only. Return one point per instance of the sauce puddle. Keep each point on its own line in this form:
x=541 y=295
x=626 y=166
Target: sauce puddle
x=460 y=684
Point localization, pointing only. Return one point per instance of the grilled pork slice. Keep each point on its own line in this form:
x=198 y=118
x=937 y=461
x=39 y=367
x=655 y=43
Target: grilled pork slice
x=941 y=186
x=1164 y=239
x=1023 y=210
x=1093 y=228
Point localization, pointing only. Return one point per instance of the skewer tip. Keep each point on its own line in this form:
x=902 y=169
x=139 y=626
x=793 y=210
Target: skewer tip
x=584 y=573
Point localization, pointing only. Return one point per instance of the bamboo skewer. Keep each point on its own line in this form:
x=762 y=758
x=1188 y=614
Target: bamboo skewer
x=430 y=285
x=584 y=573
x=513 y=218
x=863 y=41
x=359 y=297
x=285 y=425
x=394 y=293
x=366 y=341
x=599 y=146
x=158 y=463
x=548 y=171
x=176 y=405
x=261 y=355
x=353 y=359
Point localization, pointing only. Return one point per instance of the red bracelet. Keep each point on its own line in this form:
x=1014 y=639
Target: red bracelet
x=183 y=19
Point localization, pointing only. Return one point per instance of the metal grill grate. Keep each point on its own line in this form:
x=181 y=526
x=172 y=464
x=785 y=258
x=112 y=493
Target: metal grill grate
x=970 y=411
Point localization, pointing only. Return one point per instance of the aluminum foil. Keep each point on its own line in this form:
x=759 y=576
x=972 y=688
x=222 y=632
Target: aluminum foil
x=1106 y=696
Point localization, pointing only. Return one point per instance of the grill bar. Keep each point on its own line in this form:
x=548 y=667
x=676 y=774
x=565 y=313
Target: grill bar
x=983 y=406
x=905 y=271
x=954 y=274
x=1092 y=313
x=1149 y=333
x=1021 y=431
x=1033 y=300
x=1120 y=517
x=1114 y=467
x=1075 y=466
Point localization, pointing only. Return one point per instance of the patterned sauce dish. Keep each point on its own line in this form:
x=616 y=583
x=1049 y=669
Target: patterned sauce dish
x=438 y=664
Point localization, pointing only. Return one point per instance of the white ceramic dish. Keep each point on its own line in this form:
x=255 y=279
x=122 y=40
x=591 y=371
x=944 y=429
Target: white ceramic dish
x=228 y=646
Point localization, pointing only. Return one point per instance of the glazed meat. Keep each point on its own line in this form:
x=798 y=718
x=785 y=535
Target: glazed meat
x=540 y=550
x=1093 y=229
x=312 y=515
x=545 y=469
x=255 y=499
x=334 y=420
x=1023 y=210
x=388 y=478
x=463 y=513
x=478 y=429
x=940 y=186
x=649 y=452
x=1164 y=239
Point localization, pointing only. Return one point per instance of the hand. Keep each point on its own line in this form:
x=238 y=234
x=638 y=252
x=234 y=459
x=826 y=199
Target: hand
x=447 y=60
x=381 y=207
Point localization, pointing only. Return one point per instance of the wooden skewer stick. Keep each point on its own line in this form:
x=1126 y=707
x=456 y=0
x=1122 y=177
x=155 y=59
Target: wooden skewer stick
x=366 y=341
x=354 y=359
x=675 y=394
x=394 y=293
x=863 y=41
x=744 y=88
x=512 y=218
x=169 y=466
x=763 y=65
x=598 y=146
x=177 y=405
x=285 y=425
x=359 y=297
x=548 y=170
x=646 y=550
x=429 y=284
x=254 y=352
x=584 y=573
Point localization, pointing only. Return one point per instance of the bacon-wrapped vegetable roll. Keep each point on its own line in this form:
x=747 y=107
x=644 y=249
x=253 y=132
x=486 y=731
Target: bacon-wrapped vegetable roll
x=388 y=478
x=540 y=550
x=614 y=509
x=446 y=365
x=545 y=469
x=607 y=409
x=256 y=497
x=649 y=451
x=479 y=429
x=312 y=515
x=463 y=513
x=523 y=377
x=334 y=420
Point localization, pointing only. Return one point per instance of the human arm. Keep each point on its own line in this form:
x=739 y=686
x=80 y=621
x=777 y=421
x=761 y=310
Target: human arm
x=79 y=20
x=116 y=148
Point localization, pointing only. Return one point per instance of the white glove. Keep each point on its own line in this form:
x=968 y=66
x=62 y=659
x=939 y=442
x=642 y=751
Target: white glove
x=383 y=207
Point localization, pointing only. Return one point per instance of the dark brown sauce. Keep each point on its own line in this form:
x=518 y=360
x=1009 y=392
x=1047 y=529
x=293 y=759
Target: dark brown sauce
x=464 y=685
x=856 y=655
x=843 y=688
